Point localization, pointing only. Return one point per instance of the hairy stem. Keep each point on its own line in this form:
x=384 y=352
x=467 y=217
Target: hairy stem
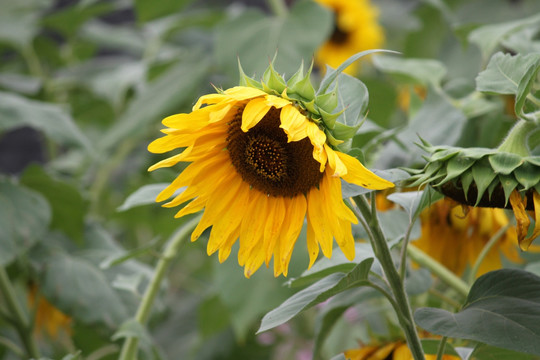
x=382 y=252
x=129 y=349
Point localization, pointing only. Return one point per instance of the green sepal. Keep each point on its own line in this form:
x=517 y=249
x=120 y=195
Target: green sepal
x=535 y=160
x=327 y=101
x=272 y=81
x=528 y=175
x=344 y=132
x=466 y=181
x=330 y=119
x=508 y=184
x=303 y=87
x=483 y=175
x=505 y=163
x=297 y=76
x=456 y=166
x=332 y=140
x=477 y=153
x=310 y=106
x=246 y=80
x=444 y=154
x=492 y=187
x=430 y=169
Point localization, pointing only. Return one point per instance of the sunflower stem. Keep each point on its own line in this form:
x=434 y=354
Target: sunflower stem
x=485 y=250
x=440 y=349
x=382 y=252
x=516 y=140
x=436 y=268
x=278 y=7
x=129 y=348
x=20 y=319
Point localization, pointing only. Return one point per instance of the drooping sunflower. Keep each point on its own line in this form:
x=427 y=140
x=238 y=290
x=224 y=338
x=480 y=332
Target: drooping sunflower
x=397 y=350
x=261 y=163
x=455 y=237
x=355 y=29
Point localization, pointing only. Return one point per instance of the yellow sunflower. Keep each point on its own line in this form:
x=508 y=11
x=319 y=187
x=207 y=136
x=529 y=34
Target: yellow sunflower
x=391 y=351
x=48 y=319
x=259 y=166
x=455 y=238
x=355 y=29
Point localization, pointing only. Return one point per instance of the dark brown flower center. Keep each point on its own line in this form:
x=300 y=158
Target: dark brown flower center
x=267 y=162
x=339 y=36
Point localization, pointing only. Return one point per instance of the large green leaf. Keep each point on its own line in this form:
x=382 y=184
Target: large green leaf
x=162 y=97
x=80 y=289
x=17 y=111
x=486 y=352
x=254 y=38
x=487 y=37
x=148 y=10
x=68 y=206
x=143 y=196
x=316 y=293
x=421 y=71
x=19 y=21
x=24 y=218
x=504 y=73
x=353 y=97
x=502 y=309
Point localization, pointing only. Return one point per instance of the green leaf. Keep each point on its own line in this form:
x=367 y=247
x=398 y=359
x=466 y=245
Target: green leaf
x=316 y=293
x=132 y=328
x=504 y=73
x=24 y=218
x=144 y=195
x=81 y=290
x=431 y=346
x=161 y=97
x=502 y=310
x=68 y=20
x=528 y=175
x=353 y=97
x=524 y=88
x=19 y=21
x=421 y=71
x=68 y=206
x=486 y=352
x=487 y=37
x=255 y=37
x=415 y=202
x=337 y=263
x=20 y=83
x=505 y=163
x=17 y=111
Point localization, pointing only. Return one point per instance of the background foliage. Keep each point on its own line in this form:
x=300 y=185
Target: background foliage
x=83 y=87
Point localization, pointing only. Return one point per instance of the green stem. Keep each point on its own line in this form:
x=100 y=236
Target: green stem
x=10 y=345
x=129 y=349
x=404 y=246
x=20 y=318
x=516 y=140
x=485 y=250
x=436 y=268
x=382 y=252
x=278 y=7
x=440 y=350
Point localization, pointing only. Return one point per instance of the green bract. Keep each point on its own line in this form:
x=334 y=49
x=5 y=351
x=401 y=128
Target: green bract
x=477 y=176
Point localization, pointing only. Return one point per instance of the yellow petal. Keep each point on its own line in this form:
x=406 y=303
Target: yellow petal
x=243 y=93
x=254 y=111
x=312 y=245
x=252 y=226
x=536 y=231
x=359 y=175
x=209 y=99
x=292 y=225
x=274 y=221
x=293 y=123
x=522 y=219
x=276 y=101
x=335 y=162
x=225 y=249
x=317 y=219
x=316 y=135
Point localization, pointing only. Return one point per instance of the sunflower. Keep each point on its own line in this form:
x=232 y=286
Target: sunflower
x=260 y=164
x=455 y=235
x=48 y=319
x=355 y=29
x=390 y=351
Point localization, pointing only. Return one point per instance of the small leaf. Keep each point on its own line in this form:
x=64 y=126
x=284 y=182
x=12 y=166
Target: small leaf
x=502 y=309
x=422 y=71
x=316 y=293
x=143 y=196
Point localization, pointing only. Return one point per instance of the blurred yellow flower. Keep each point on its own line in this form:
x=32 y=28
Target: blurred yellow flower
x=355 y=29
x=455 y=238
x=391 y=351
x=48 y=319
x=258 y=167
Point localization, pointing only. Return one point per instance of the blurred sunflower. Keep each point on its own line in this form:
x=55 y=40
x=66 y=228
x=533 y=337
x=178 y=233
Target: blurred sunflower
x=48 y=319
x=455 y=237
x=355 y=30
x=391 y=351
x=259 y=166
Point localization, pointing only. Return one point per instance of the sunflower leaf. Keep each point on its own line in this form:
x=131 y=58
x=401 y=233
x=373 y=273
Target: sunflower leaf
x=316 y=293
x=502 y=309
x=422 y=71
